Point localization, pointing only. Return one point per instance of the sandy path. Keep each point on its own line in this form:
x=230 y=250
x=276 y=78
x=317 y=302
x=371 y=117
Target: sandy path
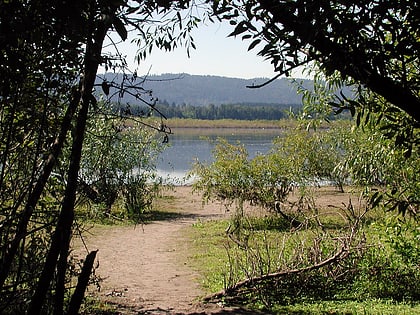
x=145 y=267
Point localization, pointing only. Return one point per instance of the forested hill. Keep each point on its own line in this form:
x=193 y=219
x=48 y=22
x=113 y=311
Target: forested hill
x=200 y=90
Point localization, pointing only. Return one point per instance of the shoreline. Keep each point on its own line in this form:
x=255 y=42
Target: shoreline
x=190 y=123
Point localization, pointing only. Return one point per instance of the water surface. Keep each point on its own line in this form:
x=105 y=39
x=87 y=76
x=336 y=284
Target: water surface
x=185 y=148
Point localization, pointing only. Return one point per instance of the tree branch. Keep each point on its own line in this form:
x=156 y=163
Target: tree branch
x=352 y=63
x=341 y=254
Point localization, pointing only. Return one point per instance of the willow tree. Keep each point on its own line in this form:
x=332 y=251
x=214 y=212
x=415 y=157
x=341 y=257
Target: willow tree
x=374 y=44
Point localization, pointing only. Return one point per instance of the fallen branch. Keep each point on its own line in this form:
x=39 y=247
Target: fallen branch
x=342 y=253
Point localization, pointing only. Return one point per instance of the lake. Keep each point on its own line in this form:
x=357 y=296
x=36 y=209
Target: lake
x=189 y=145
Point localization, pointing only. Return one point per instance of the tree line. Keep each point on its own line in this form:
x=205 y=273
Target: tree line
x=240 y=111
x=226 y=111
x=214 y=112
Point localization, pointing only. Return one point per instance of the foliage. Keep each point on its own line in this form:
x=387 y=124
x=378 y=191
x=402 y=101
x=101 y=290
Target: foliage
x=374 y=161
x=298 y=158
x=315 y=155
x=233 y=177
x=366 y=57
x=50 y=54
x=373 y=43
x=139 y=194
x=381 y=150
x=37 y=79
x=317 y=99
x=390 y=270
x=119 y=159
x=398 y=173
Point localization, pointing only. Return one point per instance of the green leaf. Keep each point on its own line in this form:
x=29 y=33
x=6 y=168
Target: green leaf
x=105 y=87
x=254 y=43
x=120 y=28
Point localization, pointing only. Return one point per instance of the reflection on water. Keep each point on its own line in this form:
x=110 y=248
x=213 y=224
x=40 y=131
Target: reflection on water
x=176 y=160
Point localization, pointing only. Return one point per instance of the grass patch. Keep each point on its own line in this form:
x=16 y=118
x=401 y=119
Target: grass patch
x=383 y=278
x=370 y=307
x=208 y=253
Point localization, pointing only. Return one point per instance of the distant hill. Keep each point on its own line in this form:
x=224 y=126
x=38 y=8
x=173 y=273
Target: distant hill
x=200 y=90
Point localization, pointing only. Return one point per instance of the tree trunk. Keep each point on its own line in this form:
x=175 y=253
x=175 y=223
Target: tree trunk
x=38 y=188
x=82 y=283
x=61 y=238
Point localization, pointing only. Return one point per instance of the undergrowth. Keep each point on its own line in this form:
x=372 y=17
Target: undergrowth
x=380 y=274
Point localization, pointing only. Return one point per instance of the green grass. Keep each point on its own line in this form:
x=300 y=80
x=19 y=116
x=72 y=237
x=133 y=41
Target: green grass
x=370 y=307
x=221 y=262
x=208 y=253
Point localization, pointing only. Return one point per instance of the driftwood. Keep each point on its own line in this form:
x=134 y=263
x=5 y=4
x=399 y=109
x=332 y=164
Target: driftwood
x=342 y=253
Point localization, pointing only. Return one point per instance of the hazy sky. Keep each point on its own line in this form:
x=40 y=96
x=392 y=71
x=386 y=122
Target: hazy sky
x=215 y=55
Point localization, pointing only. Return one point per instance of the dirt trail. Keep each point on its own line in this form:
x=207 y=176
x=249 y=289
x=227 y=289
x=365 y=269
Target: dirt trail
x=145 y=267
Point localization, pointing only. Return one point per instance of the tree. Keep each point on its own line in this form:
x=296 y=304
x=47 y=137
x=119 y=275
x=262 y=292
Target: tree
x=375 y=43
x=298 y=158
x=38 y=103
x=372 y=46
x=381 y=151
x=50 y=54
x=119 y=160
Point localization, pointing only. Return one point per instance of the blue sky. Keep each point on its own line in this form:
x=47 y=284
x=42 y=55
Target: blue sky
x=215 y=55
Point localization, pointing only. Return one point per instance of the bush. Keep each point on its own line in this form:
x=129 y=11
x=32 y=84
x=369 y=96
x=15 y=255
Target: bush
x=391 y=268
x=138 y=196
x=118 y=161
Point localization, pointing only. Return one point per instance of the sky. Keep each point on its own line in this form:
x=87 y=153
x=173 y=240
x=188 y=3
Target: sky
x=215 y=54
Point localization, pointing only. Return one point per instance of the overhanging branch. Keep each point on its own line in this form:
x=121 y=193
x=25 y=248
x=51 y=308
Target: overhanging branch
x=340 y=58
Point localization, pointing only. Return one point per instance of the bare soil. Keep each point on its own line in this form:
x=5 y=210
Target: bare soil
x=145 y=267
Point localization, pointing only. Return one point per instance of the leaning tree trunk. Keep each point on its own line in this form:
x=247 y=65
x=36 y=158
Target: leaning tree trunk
x=62 y=235
x=79 y=292
x=37 y=189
